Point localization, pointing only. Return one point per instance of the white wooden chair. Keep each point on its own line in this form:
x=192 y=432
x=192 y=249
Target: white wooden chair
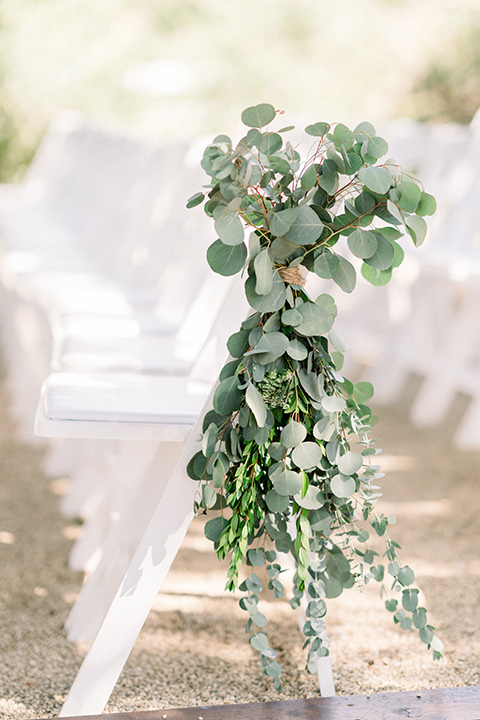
x=153 y=515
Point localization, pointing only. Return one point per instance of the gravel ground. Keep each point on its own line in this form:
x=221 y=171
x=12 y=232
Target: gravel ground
x=192 y=650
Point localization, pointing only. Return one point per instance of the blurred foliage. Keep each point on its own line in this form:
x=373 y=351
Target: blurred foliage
x=117 y=61
x=449 y=89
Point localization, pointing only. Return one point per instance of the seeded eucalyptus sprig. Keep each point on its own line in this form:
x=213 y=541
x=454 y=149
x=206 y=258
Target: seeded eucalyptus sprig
x=277 y=455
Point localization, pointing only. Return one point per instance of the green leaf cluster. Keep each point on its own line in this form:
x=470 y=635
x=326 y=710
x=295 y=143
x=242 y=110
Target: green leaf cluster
x=287 y=458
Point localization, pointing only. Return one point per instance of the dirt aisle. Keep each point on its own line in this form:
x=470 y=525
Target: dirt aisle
x=193 y=648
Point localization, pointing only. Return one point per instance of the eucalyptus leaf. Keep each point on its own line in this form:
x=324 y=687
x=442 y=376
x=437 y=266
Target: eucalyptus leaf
x=350 y=463
x=282 y=221
x=333 y=403
x=307 y=455
x=326 y=265
x=293 y=434
x=427 y=205
x=266 y=303
x=276 y=502
x=256 y=404
x=362 y=243
x=384 y=255
x=287 y=482
x=317 y=320
x=297 y=350
x=306 y=228
x=263 y=273
x=317 y=129
x=312 y=500
x=410 y=195
x=342 y=486
x=292 y=317
x=417 y=229
x=226 y=259
x=271 y=346
x=271 y=143
x=377 y=179
x=258 y=116
x=214 y=528
x=345 y=275
x=227 y=396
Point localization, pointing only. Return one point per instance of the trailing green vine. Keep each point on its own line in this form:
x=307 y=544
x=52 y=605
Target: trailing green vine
x=286 y=453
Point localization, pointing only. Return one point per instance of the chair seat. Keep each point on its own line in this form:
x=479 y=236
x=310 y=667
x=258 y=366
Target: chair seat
x=119 y=405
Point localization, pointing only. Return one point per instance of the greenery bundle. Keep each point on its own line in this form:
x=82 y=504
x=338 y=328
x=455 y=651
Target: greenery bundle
x=287 y=454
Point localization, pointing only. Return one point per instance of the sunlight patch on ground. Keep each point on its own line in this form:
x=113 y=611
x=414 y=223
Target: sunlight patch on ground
x=390 y=463
x=431 y=508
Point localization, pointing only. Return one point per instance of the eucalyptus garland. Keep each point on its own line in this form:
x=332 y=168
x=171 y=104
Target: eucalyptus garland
x=287 y=455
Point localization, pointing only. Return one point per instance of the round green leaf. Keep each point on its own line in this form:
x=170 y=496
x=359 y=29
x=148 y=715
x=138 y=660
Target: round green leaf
x=378 y=278
x=362 y=243
x=307 y=455
x=271 y=346
x=209 y=496
x=195 y=200
x=405 y=576
x=293 y=434
x=263 y=273
x=226 y=259
x=363 y=392
x=266 y=303
x=227 y=396
x=377 y=179
x=313 y=500
x=365 y=128
x=306 y=228
x=258 y=116
x=320 y=520
x=317 y=320
x=350 y=463
x=256 y=404
x=237 y=345
x=426 y=634
x=417 y=229
x=256 y=557
x=229 y=228
x=345 y=275
x=214 y=528
x=276 y=502
x=273 y=669
x=376 y=147
x=271 y=143
x=282 y=221
x=427 y=205
x=326 y=265
x=436 y=644
x=259 y=642
x=333 y=403
x=318 y=129
x=253 y=583
x=384 y=255
x=323 y=429
x=287 y=482
x=292 y=317
x=297 y=350
x=410 y=195
x=419 y=618
x=342 y=486
x=276 y=451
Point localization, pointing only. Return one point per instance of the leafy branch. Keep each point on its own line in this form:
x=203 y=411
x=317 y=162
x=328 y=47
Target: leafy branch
x=277 y=453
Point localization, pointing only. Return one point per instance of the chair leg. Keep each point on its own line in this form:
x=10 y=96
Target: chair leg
x=136 y=595
x=119 y=546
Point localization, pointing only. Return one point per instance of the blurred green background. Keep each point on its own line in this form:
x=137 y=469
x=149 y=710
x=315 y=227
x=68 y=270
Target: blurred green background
x=164 y=68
